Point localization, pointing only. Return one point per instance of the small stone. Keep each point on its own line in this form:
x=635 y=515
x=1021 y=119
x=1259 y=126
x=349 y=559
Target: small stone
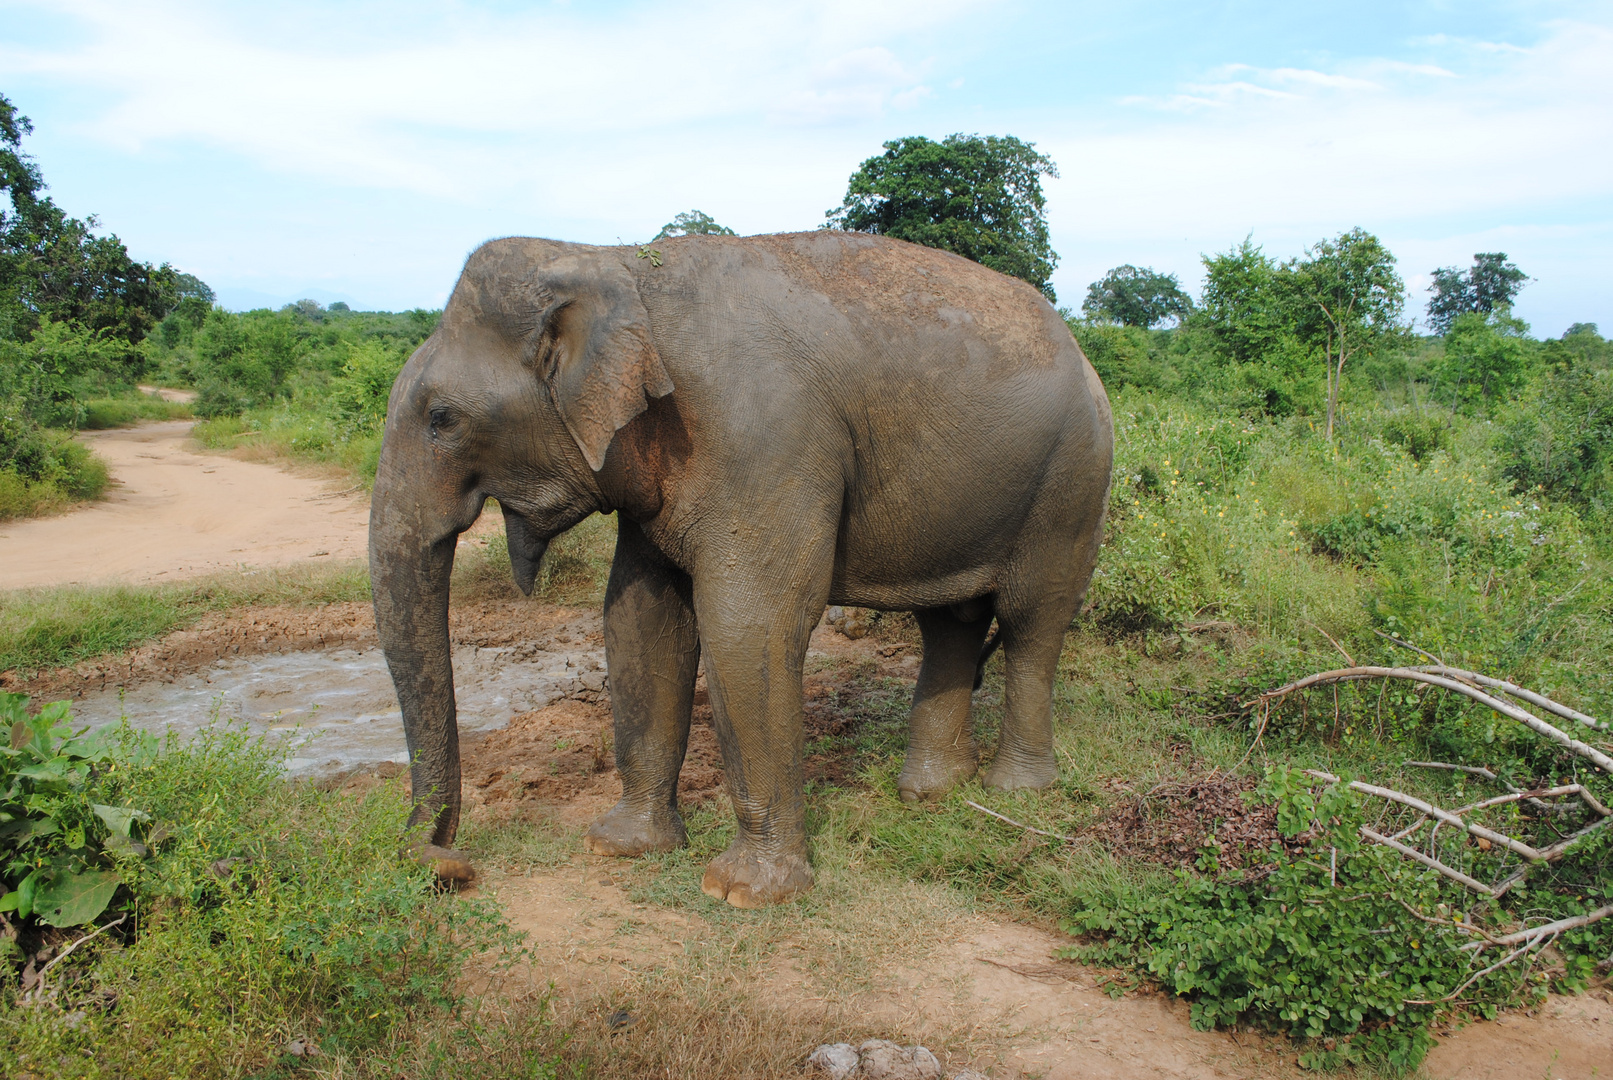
x=882 y=1059
x=593 y=680
x=297 y=1048
x=969 y=1074
x=620 y=1020
x=837 y=1061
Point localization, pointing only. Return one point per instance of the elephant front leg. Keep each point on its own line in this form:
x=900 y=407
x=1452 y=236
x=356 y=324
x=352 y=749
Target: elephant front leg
x=653 y=652
x=753 y=674
x=940 y=750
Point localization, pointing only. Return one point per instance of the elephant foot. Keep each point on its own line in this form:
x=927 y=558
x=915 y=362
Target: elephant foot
x=628 y=831
x=1009 y=773
x=451 y=867
x=929 y=776
x=748 y=879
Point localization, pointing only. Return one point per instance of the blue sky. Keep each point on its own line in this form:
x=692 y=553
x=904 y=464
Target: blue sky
x=360 y=150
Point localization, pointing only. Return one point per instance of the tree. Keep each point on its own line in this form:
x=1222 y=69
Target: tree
x=693 y=223
x=1345 y=297
x=1490 y=283
x=53 y=267
x=1135 y=296
x=1486 y=358
x=976 y=196
x=1242 y=305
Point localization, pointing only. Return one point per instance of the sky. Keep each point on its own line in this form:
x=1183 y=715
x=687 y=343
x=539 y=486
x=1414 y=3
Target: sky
x=359 y=150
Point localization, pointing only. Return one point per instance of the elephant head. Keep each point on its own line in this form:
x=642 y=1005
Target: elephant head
x=543 y=353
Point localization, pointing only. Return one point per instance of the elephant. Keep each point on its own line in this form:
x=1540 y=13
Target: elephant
x=779 y=423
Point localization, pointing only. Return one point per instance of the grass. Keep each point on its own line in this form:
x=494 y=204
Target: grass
x=282 y=433
x=47 y=628
x=75 y=475
x=116 y=412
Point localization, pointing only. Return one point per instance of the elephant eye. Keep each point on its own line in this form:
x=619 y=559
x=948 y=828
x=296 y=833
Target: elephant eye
x=440 y=418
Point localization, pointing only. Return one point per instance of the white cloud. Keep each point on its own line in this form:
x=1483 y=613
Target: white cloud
x=1530 y=129
x=475 y=103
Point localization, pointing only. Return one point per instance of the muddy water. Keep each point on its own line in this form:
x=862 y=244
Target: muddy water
x=336 y=708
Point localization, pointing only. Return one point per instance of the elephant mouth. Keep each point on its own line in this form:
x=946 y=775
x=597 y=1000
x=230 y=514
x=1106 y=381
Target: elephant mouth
x=526 y=549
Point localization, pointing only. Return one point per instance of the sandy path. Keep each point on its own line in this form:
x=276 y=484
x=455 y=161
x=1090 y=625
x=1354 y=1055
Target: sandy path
x=172 y=513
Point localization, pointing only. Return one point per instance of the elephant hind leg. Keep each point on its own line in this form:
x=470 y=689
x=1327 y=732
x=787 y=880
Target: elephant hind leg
x=1033 y=614
x=940 y=750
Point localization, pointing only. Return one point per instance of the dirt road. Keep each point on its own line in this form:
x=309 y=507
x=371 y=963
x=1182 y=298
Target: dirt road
x=173 y=513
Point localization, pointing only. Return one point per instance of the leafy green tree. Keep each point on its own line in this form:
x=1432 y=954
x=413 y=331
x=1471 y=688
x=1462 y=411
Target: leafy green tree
x=1487 y=359
x=976 y=196
x=54 y=266
x=1136 y=296
x=1242 y=305
x=1345 y=298
x=1490 y=283
x=693 y=223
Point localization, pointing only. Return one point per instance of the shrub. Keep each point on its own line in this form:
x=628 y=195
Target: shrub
x=266 y=911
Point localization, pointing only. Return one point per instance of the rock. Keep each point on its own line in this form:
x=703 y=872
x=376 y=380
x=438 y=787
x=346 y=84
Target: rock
x=851 y=622
x=969 y=1074
x=838 y=1061
x=593 y=680
x=881 y=1059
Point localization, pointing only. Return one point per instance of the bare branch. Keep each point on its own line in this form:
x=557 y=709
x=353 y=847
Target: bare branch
x=1473 y=979
x=1408 y=645
x=1435 y=812
x=1552 y=929
x=1020 y=824
x=1520 y=693
x=1528 y=719
x=1428 y=861
x=1477 y=770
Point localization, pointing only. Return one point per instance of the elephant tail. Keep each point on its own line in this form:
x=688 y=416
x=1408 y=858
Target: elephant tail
x=993 y=643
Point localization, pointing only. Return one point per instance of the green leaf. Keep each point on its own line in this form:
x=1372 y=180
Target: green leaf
x=75 y=899
x=26 y=892
x=118 y=818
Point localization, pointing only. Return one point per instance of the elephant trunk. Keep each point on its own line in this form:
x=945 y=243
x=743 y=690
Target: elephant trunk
x=411 y=560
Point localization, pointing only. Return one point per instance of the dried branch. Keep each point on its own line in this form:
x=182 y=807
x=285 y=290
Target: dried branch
x=1551 y=929
x=1520 y=693
x=1535 y=797
x=1479 y=770
x=1430 y=810
x=1528 y=719
x=1427 y=860
x=1020 y=824
x=39 y=990
x=1464 y=926
x=1408 y=645
x=1472 y=979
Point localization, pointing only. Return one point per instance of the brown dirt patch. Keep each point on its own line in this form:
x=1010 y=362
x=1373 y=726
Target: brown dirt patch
x=173 y=513
x=1174 y=822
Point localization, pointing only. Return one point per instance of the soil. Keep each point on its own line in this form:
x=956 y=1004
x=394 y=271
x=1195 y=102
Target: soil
x=173 y=513
x=1176 y=823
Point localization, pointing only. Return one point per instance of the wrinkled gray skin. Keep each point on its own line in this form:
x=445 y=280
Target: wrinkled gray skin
x=781 y=422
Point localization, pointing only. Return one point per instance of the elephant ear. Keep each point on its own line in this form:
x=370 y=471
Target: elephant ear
x=593 y=346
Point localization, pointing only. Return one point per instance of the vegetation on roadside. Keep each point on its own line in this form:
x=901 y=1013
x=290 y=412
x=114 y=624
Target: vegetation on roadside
x=246 y=924
x=75 y=313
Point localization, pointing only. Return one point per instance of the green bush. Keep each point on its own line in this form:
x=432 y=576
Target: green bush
x=359 y=394
x=1328 y=946
x=266 y=911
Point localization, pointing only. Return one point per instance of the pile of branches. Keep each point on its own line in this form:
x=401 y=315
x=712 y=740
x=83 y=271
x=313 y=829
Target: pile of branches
x=1574 y=805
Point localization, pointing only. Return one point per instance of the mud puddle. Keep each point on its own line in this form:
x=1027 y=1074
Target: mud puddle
x=336 y=707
